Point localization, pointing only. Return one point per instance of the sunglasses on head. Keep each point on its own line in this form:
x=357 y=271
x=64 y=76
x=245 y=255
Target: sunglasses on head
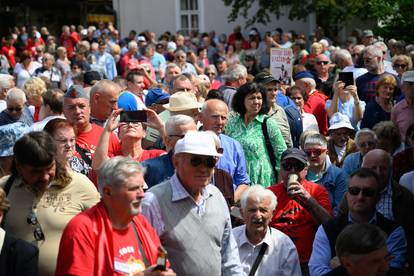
x=322 y=62
x=314 y=152
x=17 y=109
x=297 y=166
x=209 y=161
x=37 y=232
x=366 y=192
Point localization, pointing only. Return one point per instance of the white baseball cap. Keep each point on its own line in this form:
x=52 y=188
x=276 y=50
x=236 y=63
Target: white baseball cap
x=197 y=142
x=339 y=120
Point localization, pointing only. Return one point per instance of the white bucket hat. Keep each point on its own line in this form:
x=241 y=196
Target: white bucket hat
x=339 y=120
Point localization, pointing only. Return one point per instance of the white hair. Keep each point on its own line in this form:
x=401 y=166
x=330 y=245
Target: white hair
x=235 y=72
x=311 y=82
x=5 y=81
x=258 y=193
x=342 y=54
x=132 y=45
x=15 y=94
x=324 y=42
x=177 y=120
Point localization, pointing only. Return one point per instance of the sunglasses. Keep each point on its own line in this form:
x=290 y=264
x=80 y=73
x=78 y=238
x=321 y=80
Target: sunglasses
x=322 y=62
x=37 y=232
x=366 y=192
x=314 y=152
x=210 y=73
x=209 y=161
x=402 y=66
x=17 y=109
x=367 y=144
x=288 y=166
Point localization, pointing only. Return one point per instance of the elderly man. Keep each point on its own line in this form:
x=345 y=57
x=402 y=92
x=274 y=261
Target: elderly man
x=273 y=251
x=6 y=83
x=234 y=77
x=190 y=216
x=344 y=60
x=322 y=171
x=366 y=84
x=49 y=71
x=130 y=55
x=51 y=108
x=323 y=74
x=160 y=168
x=316 y=100
x=76 y=107
x=302 y=206
x=402 y=114
x=16 y=108
x=362 y=251
x=112 y=238
x=214 y=115
x=106 y=60
x=171 y=71
x=362 y=197
x=182 y=83
x=103 y=100
x=396 y=202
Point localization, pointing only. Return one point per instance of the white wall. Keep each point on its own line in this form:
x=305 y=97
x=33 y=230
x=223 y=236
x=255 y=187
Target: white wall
x=160 y=15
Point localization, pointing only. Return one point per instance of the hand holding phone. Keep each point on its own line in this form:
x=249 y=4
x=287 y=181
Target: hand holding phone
x=134 y=116
x=346 y=77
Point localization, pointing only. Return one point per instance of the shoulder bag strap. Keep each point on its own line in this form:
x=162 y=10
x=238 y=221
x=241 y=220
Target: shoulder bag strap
x=82 y=153
x=258 y=259
x=141 y=250
x=269 y=148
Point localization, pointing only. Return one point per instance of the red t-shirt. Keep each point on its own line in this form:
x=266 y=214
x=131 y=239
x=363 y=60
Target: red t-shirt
x=90 y=246
x=294 y=220
x=9 y=52
x=146 y=154
x=316 y=106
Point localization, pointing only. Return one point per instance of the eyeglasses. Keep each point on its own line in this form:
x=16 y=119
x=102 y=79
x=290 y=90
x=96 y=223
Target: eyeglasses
x=322 y=62
x=17 y=109
x=314 y=152
x=209 y=161
x=366 y=192
x=210 y=73
x=402 y=66
x=288 y=166
x=367 y=144
x=342 y=133
x=37 y=232
x=71 y=141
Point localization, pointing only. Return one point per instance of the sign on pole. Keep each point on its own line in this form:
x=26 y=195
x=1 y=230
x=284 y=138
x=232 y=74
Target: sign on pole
x=281 y=64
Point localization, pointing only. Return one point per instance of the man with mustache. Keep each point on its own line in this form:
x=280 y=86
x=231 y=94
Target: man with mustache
x=112 y=238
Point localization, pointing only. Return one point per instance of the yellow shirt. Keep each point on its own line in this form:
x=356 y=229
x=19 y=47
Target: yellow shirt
x=54 y=208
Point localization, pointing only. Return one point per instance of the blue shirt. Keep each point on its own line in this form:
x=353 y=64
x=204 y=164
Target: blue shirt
x=284 y=101
x=158 y=169
x=128 y=101
x=335 y=181
x=352 y=162
x=233 y=160
x=108 y=63
x=321 y=252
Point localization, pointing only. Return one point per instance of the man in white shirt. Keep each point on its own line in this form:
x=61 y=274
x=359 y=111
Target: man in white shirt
x=280 y=256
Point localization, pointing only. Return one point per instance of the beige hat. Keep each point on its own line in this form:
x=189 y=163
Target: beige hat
x=182 y=101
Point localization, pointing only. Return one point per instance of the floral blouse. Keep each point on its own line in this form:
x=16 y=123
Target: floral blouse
x=252 y=139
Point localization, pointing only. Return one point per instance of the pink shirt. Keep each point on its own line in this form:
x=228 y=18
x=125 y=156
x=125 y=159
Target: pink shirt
x=402 y=116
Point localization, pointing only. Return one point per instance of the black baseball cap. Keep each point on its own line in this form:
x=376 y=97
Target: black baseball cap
x=264 y=78
x=295 y=153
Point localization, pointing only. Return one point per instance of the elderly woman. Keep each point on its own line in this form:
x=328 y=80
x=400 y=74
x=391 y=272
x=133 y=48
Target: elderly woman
x=25 y=69
x=401 y=64
x=211 y=72
x=247 y=125
x=62 y=61
x=345 y=100
x=44 y=196
x=379 y=109
x=34 y=88
x=16 y=110
x=131 y=135
x=64 y=135
x=365 y=141
x=181 y=61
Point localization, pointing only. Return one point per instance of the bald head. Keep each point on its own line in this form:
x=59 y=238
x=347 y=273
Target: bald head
x=214 y=114
x=380 y=161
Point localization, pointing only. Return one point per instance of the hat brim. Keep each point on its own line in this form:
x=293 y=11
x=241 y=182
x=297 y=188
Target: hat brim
x=294 y=156
x=341 y=125
x=182 y=107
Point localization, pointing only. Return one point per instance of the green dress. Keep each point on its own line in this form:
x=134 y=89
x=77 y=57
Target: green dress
x=251 y=138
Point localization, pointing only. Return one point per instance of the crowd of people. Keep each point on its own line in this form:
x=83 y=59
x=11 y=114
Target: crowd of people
x=184 y=155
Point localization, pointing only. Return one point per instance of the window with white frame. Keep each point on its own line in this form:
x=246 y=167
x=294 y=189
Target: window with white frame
x=189 y=16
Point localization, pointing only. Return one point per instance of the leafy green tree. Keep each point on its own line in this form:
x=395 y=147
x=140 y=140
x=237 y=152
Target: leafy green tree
x=395 y=16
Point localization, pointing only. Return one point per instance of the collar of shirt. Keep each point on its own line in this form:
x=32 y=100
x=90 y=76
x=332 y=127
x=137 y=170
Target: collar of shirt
x=179 y=192
x=267 y=239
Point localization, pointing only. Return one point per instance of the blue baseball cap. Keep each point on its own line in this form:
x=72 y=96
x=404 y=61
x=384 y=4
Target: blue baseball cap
x=155 y=95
